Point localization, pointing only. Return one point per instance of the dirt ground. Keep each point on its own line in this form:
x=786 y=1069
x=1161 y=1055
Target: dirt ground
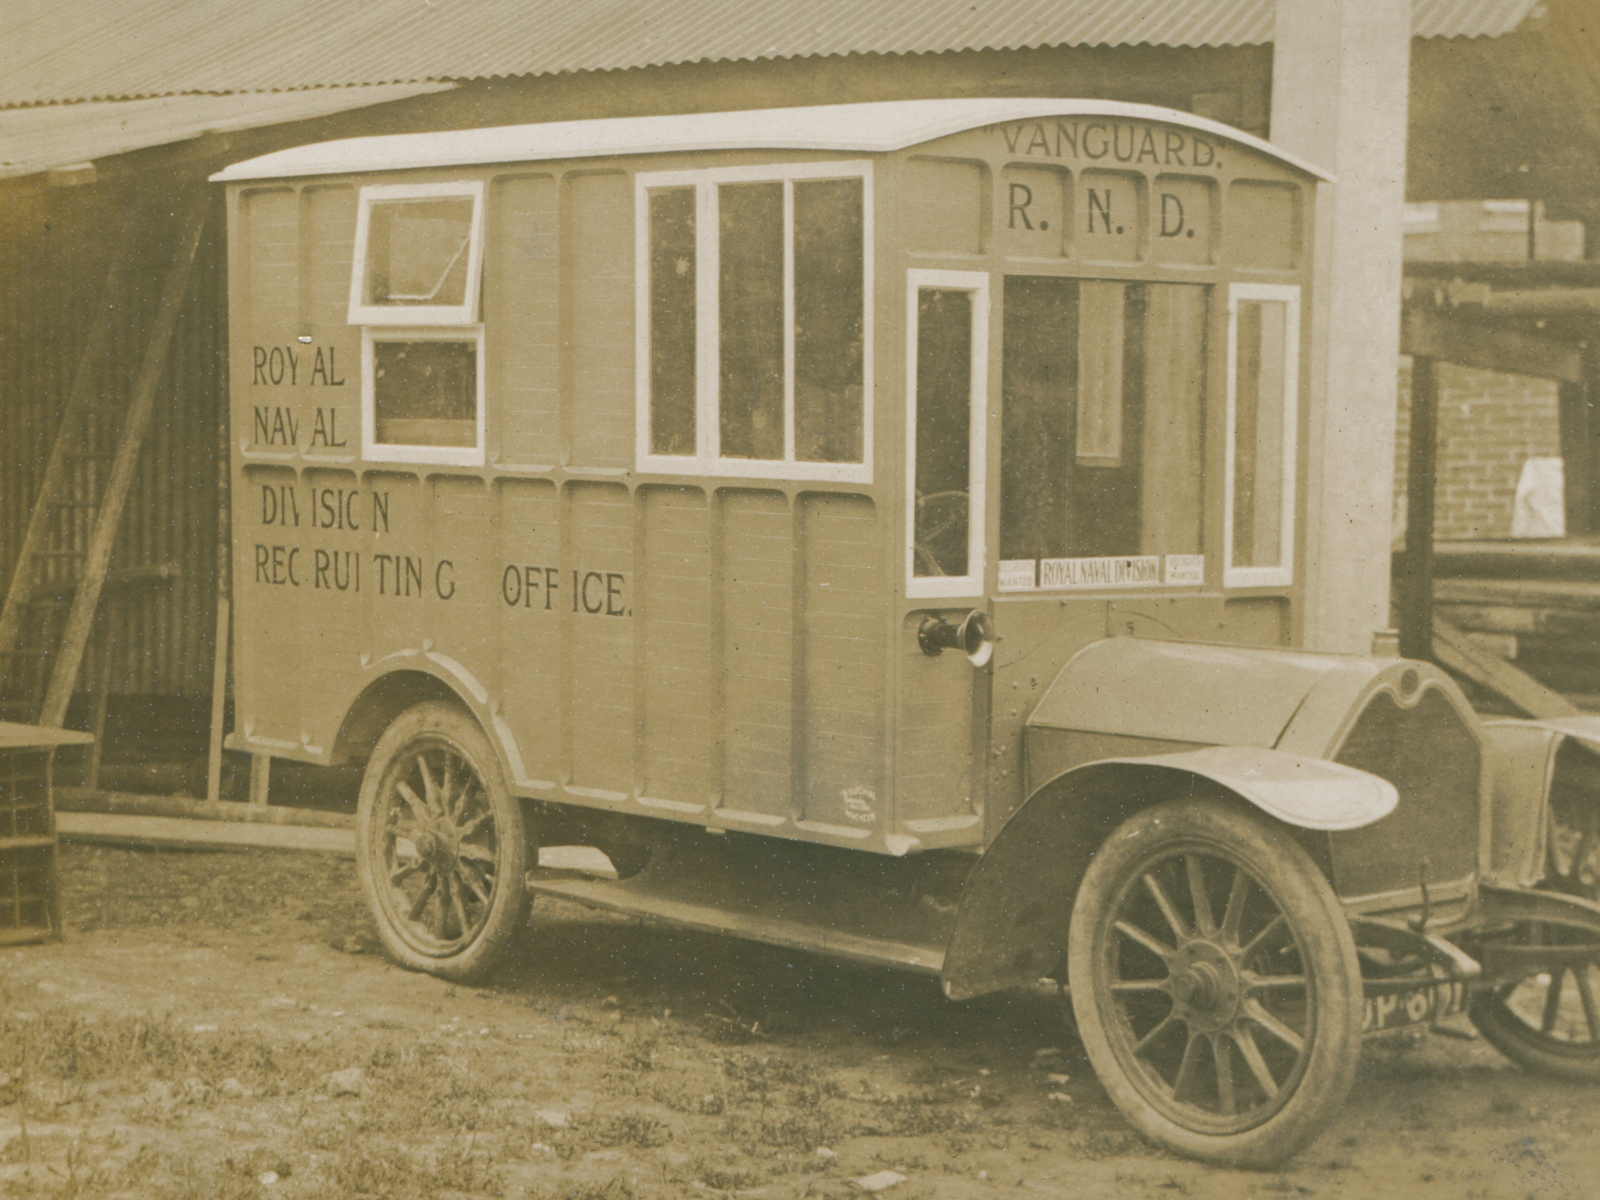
x=221 y=1025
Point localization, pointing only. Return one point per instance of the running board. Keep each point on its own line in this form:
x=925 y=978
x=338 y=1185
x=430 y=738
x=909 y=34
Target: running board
x=616 y=896
x=899 y=917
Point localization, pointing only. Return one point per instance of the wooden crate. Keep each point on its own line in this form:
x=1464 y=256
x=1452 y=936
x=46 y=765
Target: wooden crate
x=29 y=897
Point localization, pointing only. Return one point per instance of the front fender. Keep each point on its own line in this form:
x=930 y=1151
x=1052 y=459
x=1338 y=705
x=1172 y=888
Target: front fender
x=1011 y=925
x=1311 y=793
x=1534 y=761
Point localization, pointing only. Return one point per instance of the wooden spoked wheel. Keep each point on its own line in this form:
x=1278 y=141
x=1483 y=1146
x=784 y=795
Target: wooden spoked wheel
x=1215 y=983
x=441 y=846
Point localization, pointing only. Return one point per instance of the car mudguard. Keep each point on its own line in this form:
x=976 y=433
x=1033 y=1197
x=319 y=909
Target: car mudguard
x=1011 y=925
x=1528 y=757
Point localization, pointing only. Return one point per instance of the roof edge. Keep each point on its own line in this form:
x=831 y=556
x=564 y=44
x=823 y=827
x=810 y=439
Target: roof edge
x=868 y=128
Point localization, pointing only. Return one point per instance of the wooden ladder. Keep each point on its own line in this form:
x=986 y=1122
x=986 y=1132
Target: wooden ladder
x=62 y=567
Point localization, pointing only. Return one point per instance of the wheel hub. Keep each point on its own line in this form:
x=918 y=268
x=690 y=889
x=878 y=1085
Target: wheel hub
x=436 y=847
x=1206 y=986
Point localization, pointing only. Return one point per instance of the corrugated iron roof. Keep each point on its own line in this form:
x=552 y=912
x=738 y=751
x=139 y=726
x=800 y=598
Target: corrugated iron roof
x=40 y=139
x=53 y=52
x=851 y=128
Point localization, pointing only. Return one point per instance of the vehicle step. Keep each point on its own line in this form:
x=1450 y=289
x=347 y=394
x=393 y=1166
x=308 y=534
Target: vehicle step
x=625 y=896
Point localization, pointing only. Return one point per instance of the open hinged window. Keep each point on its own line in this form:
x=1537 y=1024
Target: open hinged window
x=947 y=322
x=1263 y=406
x=422 y=395
x=755 y=341
x=418 y=254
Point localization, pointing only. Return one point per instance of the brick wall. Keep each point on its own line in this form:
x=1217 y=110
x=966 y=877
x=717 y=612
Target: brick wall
x=1488 y=425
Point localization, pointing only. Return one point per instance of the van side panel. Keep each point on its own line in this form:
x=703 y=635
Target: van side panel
x=531 y=597
x=677 y=647
x=459 y=602
x=843 y=662
x=673 y=609
x=331 y=584
x=758 y=652
x=598 y=639
x=599 y=270
x=266 y=561
x=521 y=307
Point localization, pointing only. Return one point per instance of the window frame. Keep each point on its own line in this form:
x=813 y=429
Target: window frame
x=932 y=587
x=400 y=452
x=465 y=313
x=1281 y=574
x=706 y=460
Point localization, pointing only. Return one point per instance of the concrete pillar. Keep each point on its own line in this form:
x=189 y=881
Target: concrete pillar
x=1339 y=90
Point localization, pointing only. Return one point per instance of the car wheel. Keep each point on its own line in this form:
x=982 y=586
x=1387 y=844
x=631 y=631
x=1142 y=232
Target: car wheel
x=1215 y=983
x=1548 y=1020
x=441 y=849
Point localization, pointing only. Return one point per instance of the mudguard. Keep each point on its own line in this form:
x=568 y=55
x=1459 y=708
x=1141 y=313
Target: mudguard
x=1309 y=792
x=1011 y=926
x=1530 y=767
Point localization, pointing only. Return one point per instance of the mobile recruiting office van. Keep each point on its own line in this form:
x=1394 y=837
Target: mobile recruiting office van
x=877 y=528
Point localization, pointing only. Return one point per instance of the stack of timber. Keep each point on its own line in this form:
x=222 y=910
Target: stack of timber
x=1533 y=604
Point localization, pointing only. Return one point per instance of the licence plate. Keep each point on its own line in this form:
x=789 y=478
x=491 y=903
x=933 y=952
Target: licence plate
x=1413 y=1006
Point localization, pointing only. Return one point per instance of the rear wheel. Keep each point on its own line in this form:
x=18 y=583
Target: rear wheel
x=1215 y=983
x=440 y=845
x=1548 y=1020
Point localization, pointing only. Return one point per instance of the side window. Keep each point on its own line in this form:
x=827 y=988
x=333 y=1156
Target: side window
x=946 y=368
x=419 y=254
x=414 y=286
x=1263 y=379
x=422 y=395
x=754 y=338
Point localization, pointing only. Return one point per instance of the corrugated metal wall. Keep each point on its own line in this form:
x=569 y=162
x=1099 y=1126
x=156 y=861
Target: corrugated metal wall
x=55 y=250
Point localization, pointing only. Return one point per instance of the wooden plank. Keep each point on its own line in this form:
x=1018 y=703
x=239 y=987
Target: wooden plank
x=219 y=700
x=1565 y=594
x=102 y=696
x=189 y=834
x=143 y=804
x=1577 y=431
x=1416 y=583
x=95 y=347
x=1452 y=648
x=260 y=779
x=64 y=673
x=1450 y=337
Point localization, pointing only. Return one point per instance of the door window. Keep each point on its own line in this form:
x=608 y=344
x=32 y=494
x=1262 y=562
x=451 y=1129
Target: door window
x=1101 y=433
x=948 y=318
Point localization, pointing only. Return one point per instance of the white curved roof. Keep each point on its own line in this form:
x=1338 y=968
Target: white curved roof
x=847 y=128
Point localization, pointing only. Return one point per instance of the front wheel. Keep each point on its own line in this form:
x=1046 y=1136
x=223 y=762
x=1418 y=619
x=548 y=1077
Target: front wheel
x=1215 y=983
x=1548 y=1020
x=440 y=846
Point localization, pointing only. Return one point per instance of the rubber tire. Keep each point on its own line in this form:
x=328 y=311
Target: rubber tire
x=1305 y=897
x=1500 y=1027
x=433 y=722
x=1502 y=1030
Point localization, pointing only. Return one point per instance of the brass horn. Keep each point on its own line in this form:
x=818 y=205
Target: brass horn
x=974 y=637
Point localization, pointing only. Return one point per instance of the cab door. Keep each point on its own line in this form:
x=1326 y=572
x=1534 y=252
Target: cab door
x=942 y=699
x=1101 y=496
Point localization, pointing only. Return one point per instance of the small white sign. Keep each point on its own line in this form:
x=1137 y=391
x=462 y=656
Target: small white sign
x=1139 y=571
x=1185 y=568
x=1017 y=575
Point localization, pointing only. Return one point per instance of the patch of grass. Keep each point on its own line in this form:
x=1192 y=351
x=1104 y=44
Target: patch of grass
x=615 y=1188
x=588 y=1132
x=66 y=1047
